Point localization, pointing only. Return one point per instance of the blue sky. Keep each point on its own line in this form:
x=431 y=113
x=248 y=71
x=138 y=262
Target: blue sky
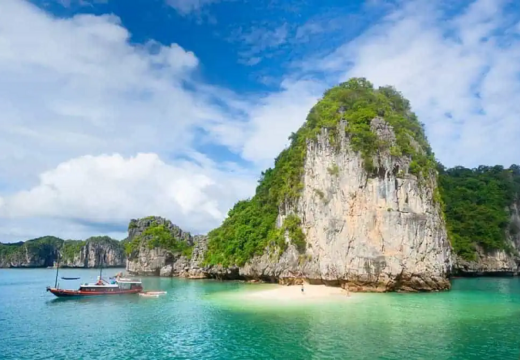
x=116 y=109
x=247 y=46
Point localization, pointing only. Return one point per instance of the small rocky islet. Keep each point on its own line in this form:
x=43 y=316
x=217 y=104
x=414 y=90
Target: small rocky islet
x=358 y=199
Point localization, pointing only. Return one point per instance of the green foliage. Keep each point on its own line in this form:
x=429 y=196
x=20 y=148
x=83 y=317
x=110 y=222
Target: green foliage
x=320 y=193
x=476 y=203
x=251 y=225
x=396 y=151
x=333 y=170
x=50 y=246
x=361 y=103
x=292 y=224
x=39 y=247
x=248 y=229
x=159 y=236
x=71 y=248
x=8 y=251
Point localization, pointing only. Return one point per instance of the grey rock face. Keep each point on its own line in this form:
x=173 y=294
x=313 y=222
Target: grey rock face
x=105 y=250
x=372 y=233
x=30 y=257
x=87 y=255
x=161 y=262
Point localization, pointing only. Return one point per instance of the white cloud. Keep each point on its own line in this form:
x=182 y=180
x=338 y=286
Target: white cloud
x=185 y=7
x=77 y=86
x=252 y=61
x=274 y=118
x=461 y=76
x=74 y=90
x=113 y=189
x=258 y=41
x=70 y=3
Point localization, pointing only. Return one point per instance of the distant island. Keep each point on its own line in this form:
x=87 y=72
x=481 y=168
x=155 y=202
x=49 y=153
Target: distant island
x=46 y=251
x=357 y=200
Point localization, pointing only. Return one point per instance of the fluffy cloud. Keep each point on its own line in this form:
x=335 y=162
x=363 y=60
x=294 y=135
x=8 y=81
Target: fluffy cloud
x=74 y=90
x=460 y=74
x=274 y=117
x=76 y=86
x=111 y=188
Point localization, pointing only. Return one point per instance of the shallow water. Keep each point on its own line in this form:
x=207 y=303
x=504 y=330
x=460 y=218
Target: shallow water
x=199 y=319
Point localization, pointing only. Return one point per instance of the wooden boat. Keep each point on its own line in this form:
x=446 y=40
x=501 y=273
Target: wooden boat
x=117 y=286
x=101 y=287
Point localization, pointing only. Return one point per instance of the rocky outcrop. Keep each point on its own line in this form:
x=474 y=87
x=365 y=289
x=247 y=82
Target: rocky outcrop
x=370 y=232
x=495 y=262
x=94 y=252
x=40 y=252
x=46 y=251
x=488 y=263
x=159 y=261
x=380 y=232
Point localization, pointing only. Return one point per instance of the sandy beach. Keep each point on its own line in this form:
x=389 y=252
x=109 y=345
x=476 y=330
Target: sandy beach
x=294 y=293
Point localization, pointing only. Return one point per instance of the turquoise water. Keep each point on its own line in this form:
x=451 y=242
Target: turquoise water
x=478 y=319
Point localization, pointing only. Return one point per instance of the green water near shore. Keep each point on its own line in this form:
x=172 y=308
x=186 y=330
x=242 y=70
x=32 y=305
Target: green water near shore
x=199 y=319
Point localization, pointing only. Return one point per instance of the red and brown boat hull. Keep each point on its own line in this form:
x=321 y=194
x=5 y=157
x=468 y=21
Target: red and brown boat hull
x=73 y=293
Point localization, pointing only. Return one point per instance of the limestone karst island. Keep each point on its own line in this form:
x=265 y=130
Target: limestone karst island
x=357 y=200
x=356 y=204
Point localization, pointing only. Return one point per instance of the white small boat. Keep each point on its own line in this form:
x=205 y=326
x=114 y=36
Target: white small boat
x=156 y=292
x=149 y=295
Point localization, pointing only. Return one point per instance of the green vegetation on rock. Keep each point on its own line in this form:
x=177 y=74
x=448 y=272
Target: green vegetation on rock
x=292 y=224
x=36 y=248
x=46 y=249
x=71 y=248
x=333 y=170
x=158 y=235
x=477 y=205
x=251 y=224
x=7 y=251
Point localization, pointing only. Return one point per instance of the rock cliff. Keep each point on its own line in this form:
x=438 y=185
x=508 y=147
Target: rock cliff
x=372 y=233
x=157 y=247
x=357 y=200
x=92 y=252
x=44 y=252
x=354 y=200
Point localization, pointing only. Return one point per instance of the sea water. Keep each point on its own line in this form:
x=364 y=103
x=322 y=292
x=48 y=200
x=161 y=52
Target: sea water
x=203 y=319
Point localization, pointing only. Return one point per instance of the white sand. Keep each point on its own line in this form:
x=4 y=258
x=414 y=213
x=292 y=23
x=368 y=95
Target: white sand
x=294 y=293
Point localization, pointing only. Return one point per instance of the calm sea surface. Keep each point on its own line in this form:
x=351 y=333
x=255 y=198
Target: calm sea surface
x=478 y=319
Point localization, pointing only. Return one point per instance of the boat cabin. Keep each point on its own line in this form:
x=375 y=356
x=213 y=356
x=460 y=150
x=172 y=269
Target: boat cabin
x=111 y=286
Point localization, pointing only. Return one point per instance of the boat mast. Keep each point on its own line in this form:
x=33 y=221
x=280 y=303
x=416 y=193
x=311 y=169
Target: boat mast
x=100 y=265
x=57 y=268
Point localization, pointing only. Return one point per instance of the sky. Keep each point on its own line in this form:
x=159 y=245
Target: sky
x=115 y=109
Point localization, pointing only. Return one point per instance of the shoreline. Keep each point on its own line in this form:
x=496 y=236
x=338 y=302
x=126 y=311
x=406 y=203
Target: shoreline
x=283 y=293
